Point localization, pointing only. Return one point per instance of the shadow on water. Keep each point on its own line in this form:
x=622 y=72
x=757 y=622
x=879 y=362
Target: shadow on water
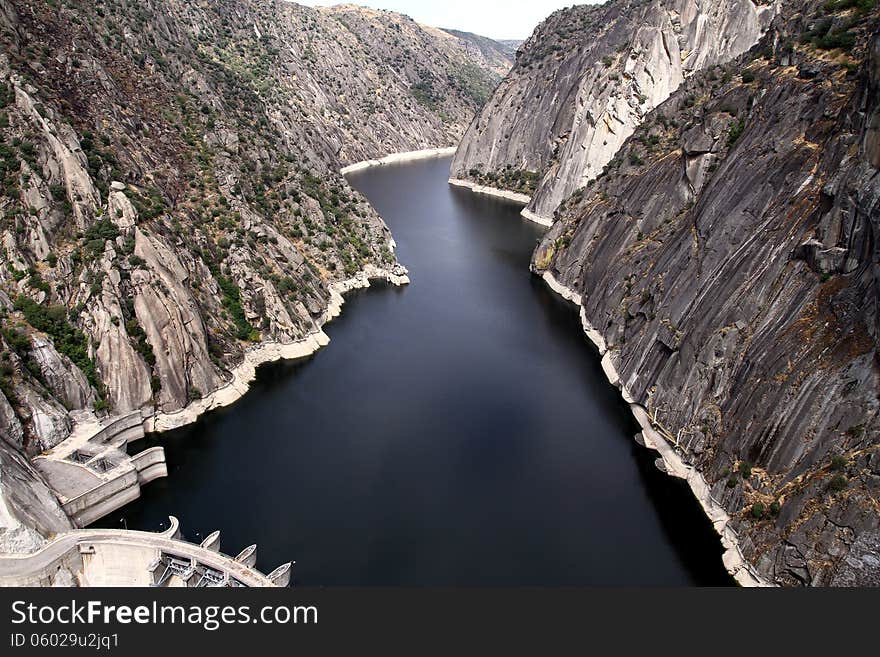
x=456 y=432
x=683 y=521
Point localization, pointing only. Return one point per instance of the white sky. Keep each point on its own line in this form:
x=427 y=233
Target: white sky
x=499 y=19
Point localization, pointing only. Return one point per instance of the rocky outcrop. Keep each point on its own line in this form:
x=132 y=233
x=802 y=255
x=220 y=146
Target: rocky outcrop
x=10 y=426
x=46 y=419
x=66 y=382
x=727 y=258
x=170 y=317
x=587 y=78
x=170 y=195
x=29 y=511
x=871 y=142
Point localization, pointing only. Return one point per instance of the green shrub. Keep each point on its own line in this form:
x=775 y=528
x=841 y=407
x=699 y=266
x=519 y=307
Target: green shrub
x=862 y=7
x=38 y=283
x=834 y=39
x=68 y=339
x=735 y=133
x=103 y=229
x=232 y=303
x=838 y=483
x=423 y=92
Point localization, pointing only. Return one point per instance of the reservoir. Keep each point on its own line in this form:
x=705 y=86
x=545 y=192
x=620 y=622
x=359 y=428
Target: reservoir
x=455 y=432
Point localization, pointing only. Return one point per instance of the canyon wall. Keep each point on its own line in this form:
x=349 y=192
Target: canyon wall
x=727 y=256
x=586 y=79
x=171 y=196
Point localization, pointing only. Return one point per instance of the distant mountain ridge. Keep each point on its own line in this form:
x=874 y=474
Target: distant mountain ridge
x=499 y=55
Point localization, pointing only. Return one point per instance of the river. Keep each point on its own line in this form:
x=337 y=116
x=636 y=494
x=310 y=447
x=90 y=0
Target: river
x=455 y=432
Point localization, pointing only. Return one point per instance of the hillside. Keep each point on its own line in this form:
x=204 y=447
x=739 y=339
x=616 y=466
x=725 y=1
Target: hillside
x=171 y=195
x=494 y=55
x=585 y=80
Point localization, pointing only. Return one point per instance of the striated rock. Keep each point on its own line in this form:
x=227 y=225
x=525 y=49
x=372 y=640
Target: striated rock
x=64 y=159
x=586 y=79
x=169 y=315
x=488 y=53
x=29 y=512
x=122 y=369
x=63 y=378
x=871 y=141
x=728 y=261
x=10 y=426
x=861 y=565
x=47 y=420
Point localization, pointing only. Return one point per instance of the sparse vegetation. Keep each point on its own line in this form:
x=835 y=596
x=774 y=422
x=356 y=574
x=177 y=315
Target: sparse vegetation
x=736 y=131
x=232 y=303
x=838 y=483
x=515 y=180
x=68 y=339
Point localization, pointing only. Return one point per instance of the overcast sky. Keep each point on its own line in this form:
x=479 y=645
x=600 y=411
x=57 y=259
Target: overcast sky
x=499 y=19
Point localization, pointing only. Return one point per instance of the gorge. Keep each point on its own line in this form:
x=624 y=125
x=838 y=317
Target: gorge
x=173 y=215
x=472 y=440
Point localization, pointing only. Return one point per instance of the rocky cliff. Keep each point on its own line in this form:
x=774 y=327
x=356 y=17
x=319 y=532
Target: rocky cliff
x=727 y=258
x=171 y=198
x=494 y=55
x=586 y=79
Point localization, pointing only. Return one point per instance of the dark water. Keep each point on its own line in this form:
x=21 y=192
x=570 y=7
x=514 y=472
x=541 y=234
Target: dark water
x=455 y=432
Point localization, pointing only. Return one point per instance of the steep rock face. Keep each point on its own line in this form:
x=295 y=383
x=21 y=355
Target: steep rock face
x=169 y=187
x=381 y=82
x=10 y=426
x=28 y=509
x=586 y=79
x=170 y=317
x=872 y=132
x=728 y=256
x=493 y=55
x=62 y=377
x=45 y=417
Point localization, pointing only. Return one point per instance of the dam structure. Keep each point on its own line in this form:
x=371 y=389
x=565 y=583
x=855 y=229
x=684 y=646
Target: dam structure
x=127 y=558
x=92 y=473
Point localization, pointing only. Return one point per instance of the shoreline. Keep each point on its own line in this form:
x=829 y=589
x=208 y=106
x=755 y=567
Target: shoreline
x=538 y=219
x=397 y=158
x=732 y=557
x=516 y=197
x=245 y=372
x=85 y=504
